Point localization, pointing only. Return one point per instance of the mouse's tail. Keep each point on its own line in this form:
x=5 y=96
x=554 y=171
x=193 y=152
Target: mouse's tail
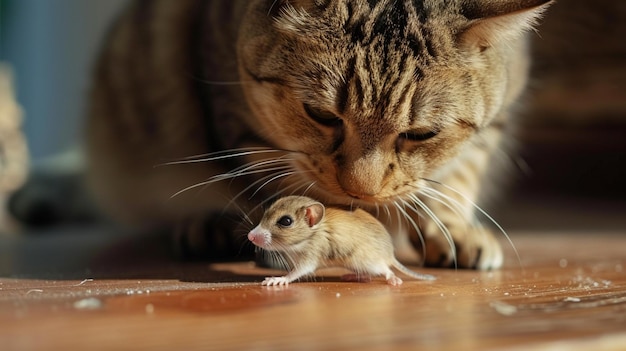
x=402 y=268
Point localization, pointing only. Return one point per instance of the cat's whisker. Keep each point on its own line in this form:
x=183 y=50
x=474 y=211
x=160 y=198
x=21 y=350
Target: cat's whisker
x=287 y=174
x=223 y=83
x=221 y=155
x=272 y=197
x=243 y=214
x=377 y=207
x=308 y=188
x=484 y=213
x=387 y=211
x=398 y=216
x=200 y=79
x=299 y=185
x=442 y=227
x=258 y=165
x=263 y=179
x=225 y=176
x=271 y=7
x=418 y=232
x=284 y=190
x=450 y=203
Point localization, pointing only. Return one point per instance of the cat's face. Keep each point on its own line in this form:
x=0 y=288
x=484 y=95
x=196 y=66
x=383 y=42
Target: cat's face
x=373 y=95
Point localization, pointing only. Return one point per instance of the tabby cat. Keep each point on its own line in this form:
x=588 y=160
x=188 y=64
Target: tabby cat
x=203 y=111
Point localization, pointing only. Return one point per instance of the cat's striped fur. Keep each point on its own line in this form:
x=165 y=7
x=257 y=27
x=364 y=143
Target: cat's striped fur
x=392 y=105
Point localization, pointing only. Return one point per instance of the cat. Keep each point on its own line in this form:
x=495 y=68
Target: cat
x=204 y=111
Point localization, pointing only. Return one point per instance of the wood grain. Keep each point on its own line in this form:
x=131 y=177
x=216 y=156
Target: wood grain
x=568 y=293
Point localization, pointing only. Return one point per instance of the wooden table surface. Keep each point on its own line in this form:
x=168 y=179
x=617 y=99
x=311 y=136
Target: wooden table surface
x=568 y=294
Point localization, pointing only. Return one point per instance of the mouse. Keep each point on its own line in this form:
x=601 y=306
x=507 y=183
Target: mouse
x=310 y=236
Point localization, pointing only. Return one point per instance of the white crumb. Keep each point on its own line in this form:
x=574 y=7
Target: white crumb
x=571 y=299
x=90 y=303
x=84 y=281
x=503 y=308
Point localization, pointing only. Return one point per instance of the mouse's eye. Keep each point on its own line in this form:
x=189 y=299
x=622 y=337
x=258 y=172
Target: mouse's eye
x=285 y=221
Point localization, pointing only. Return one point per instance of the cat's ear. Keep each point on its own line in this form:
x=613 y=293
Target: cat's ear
x=297 y=16
x=278 y=6
x=314 y=214
x=492 y=21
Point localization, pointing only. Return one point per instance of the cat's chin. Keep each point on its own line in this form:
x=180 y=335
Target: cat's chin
x=344 y=199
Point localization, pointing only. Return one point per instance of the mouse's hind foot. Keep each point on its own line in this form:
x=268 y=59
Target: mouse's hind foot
x=393 y=280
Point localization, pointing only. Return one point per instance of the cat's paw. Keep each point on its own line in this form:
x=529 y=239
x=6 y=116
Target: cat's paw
x=474 y=248
x=275 y=281
x=51 y=198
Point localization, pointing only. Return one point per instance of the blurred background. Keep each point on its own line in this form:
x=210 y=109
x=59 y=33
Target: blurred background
x=50 y=46
x=571 y=169
x=573 y=129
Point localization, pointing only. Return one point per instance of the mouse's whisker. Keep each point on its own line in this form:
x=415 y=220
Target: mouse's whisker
x=243 y=241
x=281 y=258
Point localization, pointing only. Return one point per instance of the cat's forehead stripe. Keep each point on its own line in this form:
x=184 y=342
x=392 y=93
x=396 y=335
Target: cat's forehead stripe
x=392 y=21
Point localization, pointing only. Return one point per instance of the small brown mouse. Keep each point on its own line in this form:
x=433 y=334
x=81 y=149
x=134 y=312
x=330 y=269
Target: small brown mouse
x=311 y=236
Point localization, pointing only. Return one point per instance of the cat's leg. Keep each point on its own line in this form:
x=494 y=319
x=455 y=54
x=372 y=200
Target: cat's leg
x=450 y=233
x=215 y=236
x=217 y=229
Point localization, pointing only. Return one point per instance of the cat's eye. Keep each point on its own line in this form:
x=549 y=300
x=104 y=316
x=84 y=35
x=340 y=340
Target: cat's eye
x=285 y=221
x=325 y=118
x=419 y=135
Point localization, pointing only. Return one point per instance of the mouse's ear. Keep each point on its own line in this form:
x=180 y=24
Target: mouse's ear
x=314 y=214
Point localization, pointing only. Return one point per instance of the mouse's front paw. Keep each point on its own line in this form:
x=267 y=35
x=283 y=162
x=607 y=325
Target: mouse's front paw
x=275 y=281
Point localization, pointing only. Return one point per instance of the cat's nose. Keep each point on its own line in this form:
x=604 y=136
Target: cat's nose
x=360 y=196
x=360 y=190
x=355 y=195
x=360 y=186
x=363 y=177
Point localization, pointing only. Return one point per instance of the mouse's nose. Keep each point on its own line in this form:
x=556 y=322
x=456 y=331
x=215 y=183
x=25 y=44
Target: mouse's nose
x=252 y=236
